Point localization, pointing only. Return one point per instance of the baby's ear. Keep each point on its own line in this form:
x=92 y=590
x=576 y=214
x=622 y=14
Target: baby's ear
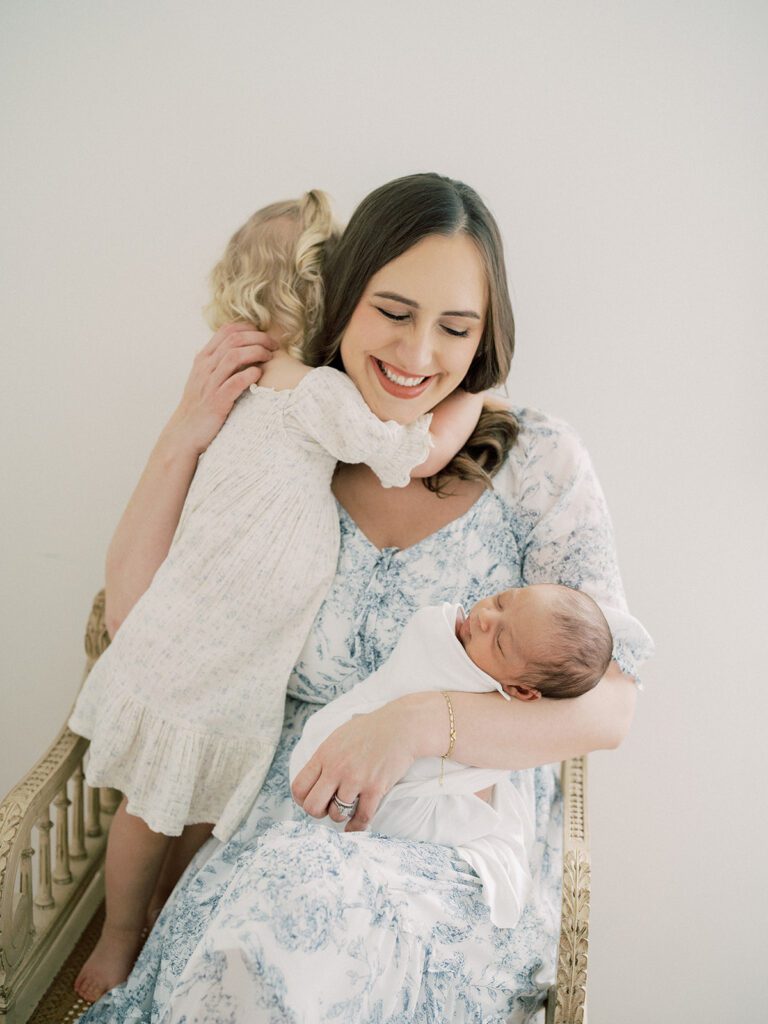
x=522 y=692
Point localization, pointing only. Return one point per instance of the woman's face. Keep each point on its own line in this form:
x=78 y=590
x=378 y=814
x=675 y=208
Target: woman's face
x=417 y=326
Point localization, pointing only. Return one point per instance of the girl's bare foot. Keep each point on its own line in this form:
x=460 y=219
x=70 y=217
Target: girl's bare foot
x=109 y=964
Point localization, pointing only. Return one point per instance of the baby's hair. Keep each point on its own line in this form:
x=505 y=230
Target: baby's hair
x=272 y=269
x=580 y=652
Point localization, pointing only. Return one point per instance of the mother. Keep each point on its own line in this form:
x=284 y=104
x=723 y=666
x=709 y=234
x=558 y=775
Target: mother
x=294 y=922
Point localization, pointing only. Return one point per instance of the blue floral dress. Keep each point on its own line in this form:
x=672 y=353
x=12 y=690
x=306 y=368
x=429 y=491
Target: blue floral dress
x=294 y=922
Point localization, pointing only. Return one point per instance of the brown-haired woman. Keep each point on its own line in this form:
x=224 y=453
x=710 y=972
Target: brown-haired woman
x=293 y=921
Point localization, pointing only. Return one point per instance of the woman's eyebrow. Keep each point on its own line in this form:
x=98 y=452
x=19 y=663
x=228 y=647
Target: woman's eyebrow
x=414 y=305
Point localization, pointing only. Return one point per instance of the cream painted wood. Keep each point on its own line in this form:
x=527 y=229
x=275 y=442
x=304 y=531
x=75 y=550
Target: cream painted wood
x=62 y=874
x=566 y=1003
x=37 y=935
x=39 y=929
x=77 y=849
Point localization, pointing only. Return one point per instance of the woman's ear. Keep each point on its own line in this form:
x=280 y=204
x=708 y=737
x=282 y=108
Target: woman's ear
x=522 y=692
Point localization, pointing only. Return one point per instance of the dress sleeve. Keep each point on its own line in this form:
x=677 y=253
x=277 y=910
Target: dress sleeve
x=326 y=411
x=565 y=530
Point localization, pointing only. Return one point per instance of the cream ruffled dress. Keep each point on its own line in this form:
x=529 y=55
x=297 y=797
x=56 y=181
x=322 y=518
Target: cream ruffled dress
x=184 y=709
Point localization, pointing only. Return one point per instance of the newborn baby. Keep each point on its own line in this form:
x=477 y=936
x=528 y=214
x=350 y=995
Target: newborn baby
x=544 y=640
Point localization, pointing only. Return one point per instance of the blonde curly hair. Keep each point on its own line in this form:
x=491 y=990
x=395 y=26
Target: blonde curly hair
x=271 y=273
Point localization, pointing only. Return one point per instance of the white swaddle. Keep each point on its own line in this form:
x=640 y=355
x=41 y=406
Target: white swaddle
x=494 y=838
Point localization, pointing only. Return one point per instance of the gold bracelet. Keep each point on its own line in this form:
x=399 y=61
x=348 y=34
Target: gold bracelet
x=452 y=742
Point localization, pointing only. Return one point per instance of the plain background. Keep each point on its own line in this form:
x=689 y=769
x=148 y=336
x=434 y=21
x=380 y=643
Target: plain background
x=622 y=147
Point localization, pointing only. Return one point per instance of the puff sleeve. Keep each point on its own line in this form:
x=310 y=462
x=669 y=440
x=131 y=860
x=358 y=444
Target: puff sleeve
x=326 y=411
x=564 y=528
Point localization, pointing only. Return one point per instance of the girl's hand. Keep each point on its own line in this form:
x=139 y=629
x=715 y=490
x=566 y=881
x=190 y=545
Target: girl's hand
x=228 y=364
x=363 y=758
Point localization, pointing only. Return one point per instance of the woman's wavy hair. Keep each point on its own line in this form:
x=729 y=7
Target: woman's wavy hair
x=272 y=269
x=386 y=224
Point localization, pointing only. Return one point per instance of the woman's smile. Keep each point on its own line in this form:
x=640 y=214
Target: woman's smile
x=398 y=382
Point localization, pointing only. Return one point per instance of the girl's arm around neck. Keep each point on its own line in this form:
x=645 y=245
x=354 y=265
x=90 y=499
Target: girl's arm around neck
x=453 y=421
x=494 y=733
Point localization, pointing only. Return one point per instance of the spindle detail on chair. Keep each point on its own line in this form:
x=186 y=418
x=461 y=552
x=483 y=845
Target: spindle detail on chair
x=25 y=912
x=62 y=874
x=93 y=817
x=77 y=849
x=44 y=898
x=110 y=799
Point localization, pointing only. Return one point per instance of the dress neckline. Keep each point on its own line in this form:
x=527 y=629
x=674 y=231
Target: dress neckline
x=431 y=537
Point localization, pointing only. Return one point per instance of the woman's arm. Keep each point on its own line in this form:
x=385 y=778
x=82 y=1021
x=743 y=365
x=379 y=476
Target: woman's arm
x=495 y=733
x=220 y=373
x=369 y=754
x=453 y=421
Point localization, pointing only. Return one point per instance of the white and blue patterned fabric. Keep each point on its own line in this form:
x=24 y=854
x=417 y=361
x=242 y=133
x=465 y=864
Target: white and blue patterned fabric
x=294 y=922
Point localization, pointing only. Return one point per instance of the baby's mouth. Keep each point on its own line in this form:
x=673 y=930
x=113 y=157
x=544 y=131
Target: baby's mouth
x=464 y=632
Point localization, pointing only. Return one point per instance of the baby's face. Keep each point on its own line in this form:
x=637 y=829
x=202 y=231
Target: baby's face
x=501 y=632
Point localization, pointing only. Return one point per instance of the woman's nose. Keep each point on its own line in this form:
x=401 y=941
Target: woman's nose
x=415 y=350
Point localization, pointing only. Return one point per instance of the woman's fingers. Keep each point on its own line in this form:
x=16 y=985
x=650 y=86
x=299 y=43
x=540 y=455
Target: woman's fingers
x=247 y=335
x=319 y=797
x=233 y=334
x=344 y=795
x=305 y=780
x=314 y=791
x=232 y=360
x=235 y=385
x=366 y=808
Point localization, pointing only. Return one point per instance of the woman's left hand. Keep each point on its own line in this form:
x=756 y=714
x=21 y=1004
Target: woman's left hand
x=362 y=759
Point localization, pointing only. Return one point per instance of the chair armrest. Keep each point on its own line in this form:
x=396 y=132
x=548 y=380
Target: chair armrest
x=49 y=892
x=566 y=1001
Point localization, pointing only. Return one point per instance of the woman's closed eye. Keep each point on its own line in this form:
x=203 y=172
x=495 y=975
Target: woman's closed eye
x=398 y=318
x=402 y=317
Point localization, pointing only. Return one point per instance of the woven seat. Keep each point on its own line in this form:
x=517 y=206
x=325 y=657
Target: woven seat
x=51 y=917
x=61 y=1004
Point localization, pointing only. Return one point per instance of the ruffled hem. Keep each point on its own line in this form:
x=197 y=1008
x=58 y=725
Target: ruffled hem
x=171 y=774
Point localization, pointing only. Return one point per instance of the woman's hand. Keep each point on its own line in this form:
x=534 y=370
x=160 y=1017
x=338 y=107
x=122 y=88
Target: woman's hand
x=363 y=758
x=221 y=371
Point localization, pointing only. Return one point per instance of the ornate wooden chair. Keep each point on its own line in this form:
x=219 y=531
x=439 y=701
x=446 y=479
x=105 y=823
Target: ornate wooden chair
x=51 y=894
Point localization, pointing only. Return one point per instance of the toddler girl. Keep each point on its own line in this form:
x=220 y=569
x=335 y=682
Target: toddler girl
x=185 y=707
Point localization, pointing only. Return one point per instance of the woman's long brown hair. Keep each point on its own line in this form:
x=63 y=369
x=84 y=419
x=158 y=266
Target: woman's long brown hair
x=386 y=224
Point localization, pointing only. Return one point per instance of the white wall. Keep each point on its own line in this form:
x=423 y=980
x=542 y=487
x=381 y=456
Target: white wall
x=623 y=150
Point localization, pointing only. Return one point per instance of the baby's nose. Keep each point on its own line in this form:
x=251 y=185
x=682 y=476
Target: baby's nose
x=485 y=617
